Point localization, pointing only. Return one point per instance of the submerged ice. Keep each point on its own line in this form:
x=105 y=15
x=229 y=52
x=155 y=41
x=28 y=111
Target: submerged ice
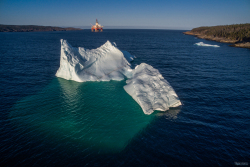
x=102 y=64
x=203 y=44
x=150 y=90
x=145 y=84
x=76 y=116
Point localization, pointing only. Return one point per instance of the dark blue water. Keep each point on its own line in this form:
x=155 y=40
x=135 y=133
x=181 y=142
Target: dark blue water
x=46 y=121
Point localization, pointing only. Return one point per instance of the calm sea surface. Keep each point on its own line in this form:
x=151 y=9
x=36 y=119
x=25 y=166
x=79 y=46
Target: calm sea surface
x=49 y=121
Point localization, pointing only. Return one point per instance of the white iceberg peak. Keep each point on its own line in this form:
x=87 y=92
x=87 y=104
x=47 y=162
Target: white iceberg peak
x=102 y=64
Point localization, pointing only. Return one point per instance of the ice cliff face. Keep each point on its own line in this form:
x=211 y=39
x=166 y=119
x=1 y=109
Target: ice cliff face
x=102 y=64
x=146 y=85
x=150 y=90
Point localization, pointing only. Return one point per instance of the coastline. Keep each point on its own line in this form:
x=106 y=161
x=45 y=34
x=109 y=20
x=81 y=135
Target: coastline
x=33 y=28
x=234 y=43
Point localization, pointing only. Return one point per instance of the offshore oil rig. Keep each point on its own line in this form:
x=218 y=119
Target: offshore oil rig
x=97 y=27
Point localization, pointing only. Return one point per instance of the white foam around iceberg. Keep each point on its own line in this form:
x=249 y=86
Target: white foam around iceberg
x=102 y=64
x=150 y=90
x=203 y=44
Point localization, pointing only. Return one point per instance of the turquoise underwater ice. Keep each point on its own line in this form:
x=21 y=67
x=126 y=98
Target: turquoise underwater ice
x=99 y=116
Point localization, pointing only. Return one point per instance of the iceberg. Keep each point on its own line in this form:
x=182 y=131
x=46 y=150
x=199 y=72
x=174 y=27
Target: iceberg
x=145 y=84
x=150 y=90
x=102 y=64
x=203 y=44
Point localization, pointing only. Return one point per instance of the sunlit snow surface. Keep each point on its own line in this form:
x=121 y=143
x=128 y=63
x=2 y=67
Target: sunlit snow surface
x=203 y=44
x=146 y=85
x=102 y=64
x=150 y=90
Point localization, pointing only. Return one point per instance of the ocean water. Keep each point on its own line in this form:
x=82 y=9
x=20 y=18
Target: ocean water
x=49 y=121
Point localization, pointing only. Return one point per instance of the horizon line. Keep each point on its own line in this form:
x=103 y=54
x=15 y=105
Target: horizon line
x=108 y=27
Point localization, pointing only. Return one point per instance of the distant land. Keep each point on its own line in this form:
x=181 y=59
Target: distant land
x=32 y=28
x=237 y=34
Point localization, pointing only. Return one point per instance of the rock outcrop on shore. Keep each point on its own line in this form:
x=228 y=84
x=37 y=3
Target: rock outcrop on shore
x=242 y=45
x=33 y=28
x=238 y=35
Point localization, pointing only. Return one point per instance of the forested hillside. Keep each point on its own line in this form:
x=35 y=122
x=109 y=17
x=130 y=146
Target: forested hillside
x=239 y=32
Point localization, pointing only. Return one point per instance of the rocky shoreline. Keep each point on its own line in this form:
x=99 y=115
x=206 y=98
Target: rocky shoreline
x=234 y=43
x=33 y=28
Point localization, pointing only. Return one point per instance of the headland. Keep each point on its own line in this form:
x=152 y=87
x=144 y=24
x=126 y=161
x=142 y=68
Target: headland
x=238 y=35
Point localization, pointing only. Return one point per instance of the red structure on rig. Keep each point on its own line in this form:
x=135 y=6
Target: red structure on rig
x=97 y=27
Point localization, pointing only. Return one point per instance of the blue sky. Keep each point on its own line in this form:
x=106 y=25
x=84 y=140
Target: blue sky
x=169 y=14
